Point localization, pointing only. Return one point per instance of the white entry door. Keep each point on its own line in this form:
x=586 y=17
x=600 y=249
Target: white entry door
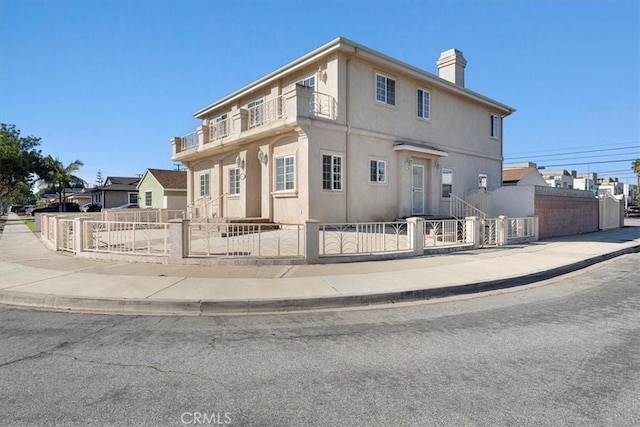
x=417 y=190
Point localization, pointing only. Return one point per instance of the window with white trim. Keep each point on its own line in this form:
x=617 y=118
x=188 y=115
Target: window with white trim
x=331 y=172
x=220 y=125
x=148 y=198
x=234 y=181
x=482 y=181
x=377 y=171
x=256 y=112
x=385 y=89
x=204 y=185
x=285 y=173
x=133 y=197
x=424 y=100
x=447 y=182
x=308 y=82
x=495 y=126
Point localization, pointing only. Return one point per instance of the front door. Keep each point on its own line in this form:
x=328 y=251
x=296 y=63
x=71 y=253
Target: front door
x=417 y=190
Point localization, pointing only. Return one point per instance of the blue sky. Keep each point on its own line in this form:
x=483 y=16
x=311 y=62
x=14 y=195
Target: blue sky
x=110 y=82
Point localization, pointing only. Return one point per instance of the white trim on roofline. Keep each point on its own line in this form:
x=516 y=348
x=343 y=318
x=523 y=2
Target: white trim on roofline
x=345 y=45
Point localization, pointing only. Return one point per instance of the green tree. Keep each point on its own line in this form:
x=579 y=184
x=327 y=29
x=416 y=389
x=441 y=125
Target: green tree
x=20 y=161
x=56 y=174
x=635 y=165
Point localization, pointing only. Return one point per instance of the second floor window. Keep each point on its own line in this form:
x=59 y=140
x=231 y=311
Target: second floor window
x=331 y=172
x=495 y=126
x=385 y=89
x=285 y=173
x=204 y=184
x=308 y=82
x=220 y=126
x=424 y=99
x=256 y=112
x=234 y=181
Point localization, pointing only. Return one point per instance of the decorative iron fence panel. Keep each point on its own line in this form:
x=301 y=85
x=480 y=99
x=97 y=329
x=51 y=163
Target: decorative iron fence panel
x=246 y=240
x=489 y=232
x=65 y=234
x=446 y=232
x=136 y=238
x=518 y=228
x=363 y=238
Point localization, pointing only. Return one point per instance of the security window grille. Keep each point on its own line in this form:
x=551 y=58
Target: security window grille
x=204 y=184
x=385 y=89
x=494 y=126
x=234 y=181
x=424 y=99
x=377 y=171
x=148 y=198
x=285 y=173
x=331 y=172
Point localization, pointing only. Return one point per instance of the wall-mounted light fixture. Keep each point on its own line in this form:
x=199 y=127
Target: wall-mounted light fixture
x=408 y=162
x=240 y=161
x=262 y=157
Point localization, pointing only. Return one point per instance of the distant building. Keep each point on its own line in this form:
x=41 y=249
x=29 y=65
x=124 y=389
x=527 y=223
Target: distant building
x=116 y=191
x=560 y=179
x=610 y=186
x=166 y=189
x=522 y=176
x=586 y=181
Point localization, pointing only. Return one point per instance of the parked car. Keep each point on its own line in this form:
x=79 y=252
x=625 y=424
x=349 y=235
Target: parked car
x=89 y=207
x=633 y=210
x=55 y=207
x=17 y=209
x=128 y=206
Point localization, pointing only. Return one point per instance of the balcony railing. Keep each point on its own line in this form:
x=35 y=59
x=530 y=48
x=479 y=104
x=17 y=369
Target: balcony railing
x=220 y=129
x=189 y=141
x=323 y=105
x=266 y=112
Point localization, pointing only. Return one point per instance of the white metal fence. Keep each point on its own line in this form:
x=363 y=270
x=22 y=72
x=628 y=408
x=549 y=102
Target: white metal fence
x=137 y=238
x=246 y=240
x=66 y=235
x=489 y=232
x=445 y=232
x=363 y=238
x=518 y=228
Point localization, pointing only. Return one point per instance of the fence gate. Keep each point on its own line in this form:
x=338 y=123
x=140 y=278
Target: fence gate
x=488 y=231
x=610 y=212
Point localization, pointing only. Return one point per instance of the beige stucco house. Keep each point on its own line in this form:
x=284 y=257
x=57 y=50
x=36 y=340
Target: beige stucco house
x=344 y=133
x=163 y=189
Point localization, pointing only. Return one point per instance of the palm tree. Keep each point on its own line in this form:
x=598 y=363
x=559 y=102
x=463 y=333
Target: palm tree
x=635 y=165
x=55 y=174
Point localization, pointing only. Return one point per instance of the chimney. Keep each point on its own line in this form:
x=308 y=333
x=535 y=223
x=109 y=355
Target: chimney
x=451 y=66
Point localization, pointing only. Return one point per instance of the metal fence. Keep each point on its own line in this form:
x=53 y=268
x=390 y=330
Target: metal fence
x=65 y=235
x=489 y=232
x=136 y=238
x=363 y=238
x=246 y=240
x=518 y=228
x=445 y=232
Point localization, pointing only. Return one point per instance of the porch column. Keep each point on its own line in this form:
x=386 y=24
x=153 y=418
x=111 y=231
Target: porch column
x=501 y=230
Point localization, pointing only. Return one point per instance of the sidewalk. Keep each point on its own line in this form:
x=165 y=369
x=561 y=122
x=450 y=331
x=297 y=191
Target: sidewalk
x=33 y=276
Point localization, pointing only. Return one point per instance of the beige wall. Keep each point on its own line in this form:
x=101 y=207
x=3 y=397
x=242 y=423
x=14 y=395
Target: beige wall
x=365 y=129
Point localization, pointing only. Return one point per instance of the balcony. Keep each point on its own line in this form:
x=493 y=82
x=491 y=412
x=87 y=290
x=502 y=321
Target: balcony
x=256 y=119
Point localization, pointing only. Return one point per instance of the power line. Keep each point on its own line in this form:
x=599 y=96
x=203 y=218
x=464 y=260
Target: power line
x=588 y=163
x=581 y=152
x=562 y=150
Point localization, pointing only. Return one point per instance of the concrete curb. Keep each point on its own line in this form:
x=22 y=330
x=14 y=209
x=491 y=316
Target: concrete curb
x=112 y=306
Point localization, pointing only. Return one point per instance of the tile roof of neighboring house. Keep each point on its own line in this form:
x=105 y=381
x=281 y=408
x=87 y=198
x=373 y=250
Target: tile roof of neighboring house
x=515 y=175
x=170 y=179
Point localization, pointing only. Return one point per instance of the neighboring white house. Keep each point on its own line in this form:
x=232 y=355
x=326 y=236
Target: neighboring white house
x=610 y=186
x=161 y=188
x=560 y=179
x=586 y=181
x=344 y=133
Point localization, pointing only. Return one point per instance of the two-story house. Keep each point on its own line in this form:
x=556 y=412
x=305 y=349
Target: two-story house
x=344 y=133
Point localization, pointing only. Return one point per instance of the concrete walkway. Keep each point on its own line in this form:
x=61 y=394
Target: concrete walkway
x=33 y=276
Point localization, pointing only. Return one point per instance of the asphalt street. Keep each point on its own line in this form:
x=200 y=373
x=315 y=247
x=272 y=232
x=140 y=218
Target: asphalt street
x=562 y=352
